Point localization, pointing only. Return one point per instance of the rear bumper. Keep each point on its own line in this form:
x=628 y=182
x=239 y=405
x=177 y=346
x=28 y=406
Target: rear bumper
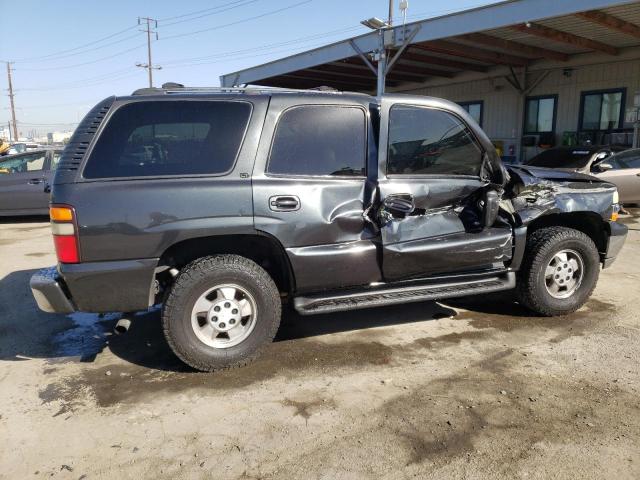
x=47 y=289
x=617 y=237
x=122 y=286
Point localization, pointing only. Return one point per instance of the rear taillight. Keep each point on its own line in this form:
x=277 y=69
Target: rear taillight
x=65 y=235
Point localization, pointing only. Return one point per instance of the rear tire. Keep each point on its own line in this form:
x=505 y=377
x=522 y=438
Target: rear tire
x=221 y=312
x=559 y=272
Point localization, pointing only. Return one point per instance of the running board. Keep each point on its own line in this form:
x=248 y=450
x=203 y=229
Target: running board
x=312 y=305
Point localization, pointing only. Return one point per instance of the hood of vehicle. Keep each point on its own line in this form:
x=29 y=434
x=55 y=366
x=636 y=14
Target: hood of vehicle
x=530 y=175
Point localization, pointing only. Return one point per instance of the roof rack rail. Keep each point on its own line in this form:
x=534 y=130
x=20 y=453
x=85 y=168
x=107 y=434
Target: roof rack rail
x=172 y=88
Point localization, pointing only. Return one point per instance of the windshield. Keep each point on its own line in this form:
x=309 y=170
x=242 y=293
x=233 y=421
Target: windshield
x=562 y=158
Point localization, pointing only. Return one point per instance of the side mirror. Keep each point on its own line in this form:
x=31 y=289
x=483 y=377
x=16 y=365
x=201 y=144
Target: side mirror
x=603 y=167
x=490 y=209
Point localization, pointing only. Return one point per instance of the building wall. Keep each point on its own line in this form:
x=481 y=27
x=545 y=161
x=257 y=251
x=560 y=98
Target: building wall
x=503 y=108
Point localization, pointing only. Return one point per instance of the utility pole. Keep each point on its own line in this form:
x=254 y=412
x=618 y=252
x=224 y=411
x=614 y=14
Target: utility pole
x=149 y=65
x=390 y=22
x=13 y=107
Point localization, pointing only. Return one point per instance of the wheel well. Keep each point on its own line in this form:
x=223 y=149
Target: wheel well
x=264 y=250
x=589 y=223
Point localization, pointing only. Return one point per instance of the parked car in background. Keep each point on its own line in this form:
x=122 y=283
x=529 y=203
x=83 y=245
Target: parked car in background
x=573 y=159
x=623 y=170
x=24 y=182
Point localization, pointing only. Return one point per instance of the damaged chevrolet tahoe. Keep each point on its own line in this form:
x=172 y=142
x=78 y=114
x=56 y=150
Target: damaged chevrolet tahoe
x=223 y=204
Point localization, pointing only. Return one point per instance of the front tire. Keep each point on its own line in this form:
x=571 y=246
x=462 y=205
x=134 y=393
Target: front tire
x=221 y=312
x=559 y=272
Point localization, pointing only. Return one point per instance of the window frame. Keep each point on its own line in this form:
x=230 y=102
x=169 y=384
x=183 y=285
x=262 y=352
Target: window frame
x=393 y=176
x=623 y=100
x=526 y=113
x=267 y=173
x=104 y=124
x=474 y=102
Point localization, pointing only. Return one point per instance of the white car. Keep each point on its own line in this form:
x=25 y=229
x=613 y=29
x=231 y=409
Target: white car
x=623 y=170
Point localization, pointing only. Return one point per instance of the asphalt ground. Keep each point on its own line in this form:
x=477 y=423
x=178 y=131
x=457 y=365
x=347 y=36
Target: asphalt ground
x=472 y=388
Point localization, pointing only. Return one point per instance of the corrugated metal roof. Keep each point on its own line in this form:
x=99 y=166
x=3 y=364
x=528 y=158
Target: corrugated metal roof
x=338 y=65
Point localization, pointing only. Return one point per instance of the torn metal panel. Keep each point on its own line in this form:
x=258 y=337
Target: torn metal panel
x=537 y=192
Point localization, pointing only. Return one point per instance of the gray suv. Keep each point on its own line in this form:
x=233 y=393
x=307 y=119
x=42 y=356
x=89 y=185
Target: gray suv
x=223 y=204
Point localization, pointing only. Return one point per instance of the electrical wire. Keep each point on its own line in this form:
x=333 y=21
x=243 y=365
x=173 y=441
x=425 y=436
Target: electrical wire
x=264 y=47
x=237 y=22
x=238 y=4
x=29 y=59
x=199 y=11
x=84 y=63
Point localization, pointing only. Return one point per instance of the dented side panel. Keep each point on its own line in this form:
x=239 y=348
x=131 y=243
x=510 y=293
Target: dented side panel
x=448 y=253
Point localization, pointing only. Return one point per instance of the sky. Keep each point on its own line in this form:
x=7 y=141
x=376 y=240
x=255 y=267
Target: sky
x=71 y=54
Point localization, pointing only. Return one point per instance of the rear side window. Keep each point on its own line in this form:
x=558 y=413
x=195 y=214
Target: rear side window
x=320 y=140
x=426 y=141
x=32 y=162
x=169 y=138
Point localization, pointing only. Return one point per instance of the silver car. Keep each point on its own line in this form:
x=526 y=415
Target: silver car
x=623 y=170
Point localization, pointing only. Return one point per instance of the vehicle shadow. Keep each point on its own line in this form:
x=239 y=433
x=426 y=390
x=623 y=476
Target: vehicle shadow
x=26 y=332
x=145 y=345
x=24 y=219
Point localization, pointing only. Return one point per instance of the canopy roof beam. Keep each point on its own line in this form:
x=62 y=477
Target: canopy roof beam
x=564 y=37
x=515 y=47
x=611 y=22
x=459 y=50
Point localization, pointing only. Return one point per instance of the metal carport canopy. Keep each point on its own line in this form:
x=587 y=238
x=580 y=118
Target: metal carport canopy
x=317 y=67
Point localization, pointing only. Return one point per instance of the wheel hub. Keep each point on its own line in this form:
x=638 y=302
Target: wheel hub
x=224 y=315
x=564 y=273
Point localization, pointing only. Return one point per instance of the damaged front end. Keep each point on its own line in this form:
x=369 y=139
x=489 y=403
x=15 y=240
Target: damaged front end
x=538 y=197
x=535 y=192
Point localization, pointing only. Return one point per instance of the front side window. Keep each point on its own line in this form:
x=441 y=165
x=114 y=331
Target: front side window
x=602 y=110
x=474 y=109
x=427 y=141
x=32 y=162
x=540 y=114
x=628 y=159
x=319 y=140
x=170 y=138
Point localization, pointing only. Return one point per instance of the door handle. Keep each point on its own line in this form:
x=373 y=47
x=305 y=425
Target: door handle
x=35 y=181
x=284 y=203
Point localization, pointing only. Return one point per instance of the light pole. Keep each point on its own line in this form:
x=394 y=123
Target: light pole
x=380 y=55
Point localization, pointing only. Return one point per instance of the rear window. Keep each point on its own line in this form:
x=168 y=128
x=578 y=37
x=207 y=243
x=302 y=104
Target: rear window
x=169 y=138
x=562 y=158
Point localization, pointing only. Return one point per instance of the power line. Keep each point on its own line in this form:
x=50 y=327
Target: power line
x=237 y=4
x=199 y=11
x=28 y=59
x=264 y=47
x=248 y=19
x=84 y=63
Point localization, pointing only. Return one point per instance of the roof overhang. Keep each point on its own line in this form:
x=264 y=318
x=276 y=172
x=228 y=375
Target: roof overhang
x=513 y=33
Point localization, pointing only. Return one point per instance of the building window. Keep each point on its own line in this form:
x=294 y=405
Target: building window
x=474 y=109
x=540 y=114
x=602 y=109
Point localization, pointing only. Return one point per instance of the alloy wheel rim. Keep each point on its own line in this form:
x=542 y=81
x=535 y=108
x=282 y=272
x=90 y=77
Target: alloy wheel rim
x=564 y=273
x=224 y=316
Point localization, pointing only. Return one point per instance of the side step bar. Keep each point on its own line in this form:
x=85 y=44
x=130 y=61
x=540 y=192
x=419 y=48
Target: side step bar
x=391 y=296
